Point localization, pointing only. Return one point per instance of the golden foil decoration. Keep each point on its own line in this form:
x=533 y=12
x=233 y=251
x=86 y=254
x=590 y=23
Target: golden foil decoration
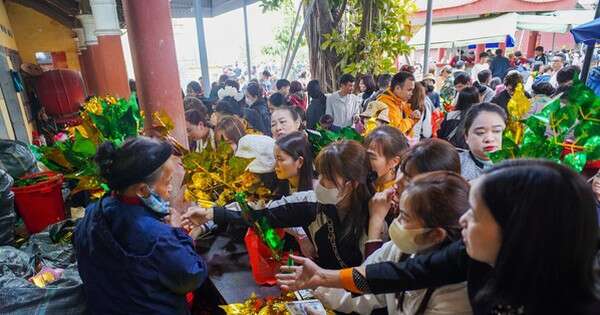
x=518 y=106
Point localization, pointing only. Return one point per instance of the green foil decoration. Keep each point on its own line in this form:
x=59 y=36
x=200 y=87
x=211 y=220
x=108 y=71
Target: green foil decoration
x=262 y=227
x=566 y=131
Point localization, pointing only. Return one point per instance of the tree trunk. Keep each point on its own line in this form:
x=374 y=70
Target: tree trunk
x=323 y=62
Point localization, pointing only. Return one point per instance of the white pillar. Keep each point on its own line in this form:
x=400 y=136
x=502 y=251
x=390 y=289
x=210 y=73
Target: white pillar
x=89 y=28
x=106 y=18
x=80 y=39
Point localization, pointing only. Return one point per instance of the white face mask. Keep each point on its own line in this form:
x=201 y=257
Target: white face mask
x=326 y=196
x=404 y=239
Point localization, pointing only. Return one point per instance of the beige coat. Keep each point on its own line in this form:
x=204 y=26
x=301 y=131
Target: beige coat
x=450 y=299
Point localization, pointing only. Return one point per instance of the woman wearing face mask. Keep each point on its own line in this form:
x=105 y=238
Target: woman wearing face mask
x=525 y=250
x=334 y=215
x=293 y=164
x=426 y=156
x=256 y=102
x=430 y=208
x=284 y=120
x=129 y=260
x=482 y=128
x=200 y=133
x=385 y=146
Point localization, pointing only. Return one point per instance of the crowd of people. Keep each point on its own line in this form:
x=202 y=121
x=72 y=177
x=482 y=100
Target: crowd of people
x=414 y=220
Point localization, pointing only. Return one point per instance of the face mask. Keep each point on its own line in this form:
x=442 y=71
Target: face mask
x=404 y=239
x=326 y=196
x=156 y=203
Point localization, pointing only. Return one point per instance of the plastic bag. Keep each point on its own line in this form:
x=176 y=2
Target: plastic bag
x=264 y=267
x=18 y=296
x=16 y=158
x=7 y=209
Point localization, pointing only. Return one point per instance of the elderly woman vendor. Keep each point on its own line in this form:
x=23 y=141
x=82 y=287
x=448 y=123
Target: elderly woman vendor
x=129 y=260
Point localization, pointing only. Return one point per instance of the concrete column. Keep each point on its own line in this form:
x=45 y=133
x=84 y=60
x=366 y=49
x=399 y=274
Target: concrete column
x=152 y=46
x=90 y=41
x=81 y=47
x=110 y=51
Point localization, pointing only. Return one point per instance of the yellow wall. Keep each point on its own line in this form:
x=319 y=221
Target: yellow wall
x=36 y=32
x=7 y=40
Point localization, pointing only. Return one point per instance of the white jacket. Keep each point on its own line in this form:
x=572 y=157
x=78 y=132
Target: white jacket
x=450 y=299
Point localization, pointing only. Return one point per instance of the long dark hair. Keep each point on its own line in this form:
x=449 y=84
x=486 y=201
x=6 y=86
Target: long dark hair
x=549 y=236
x=417 y=100
x=467 y=98
x=348 y=160
x=296 y=145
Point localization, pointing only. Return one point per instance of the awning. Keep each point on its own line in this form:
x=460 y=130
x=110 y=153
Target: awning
x=588 y=33
x=554 y=22
x=463 y=33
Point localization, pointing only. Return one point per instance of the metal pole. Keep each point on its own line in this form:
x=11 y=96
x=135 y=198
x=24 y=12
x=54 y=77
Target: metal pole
x=202 y=47
x=299 y=40
x=589 y=52
x=287 y=54
x=248 y=61
x=553 y=40
x=427 y=36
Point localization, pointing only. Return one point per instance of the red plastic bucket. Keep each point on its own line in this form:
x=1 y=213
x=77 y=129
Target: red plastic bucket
x=40 y=204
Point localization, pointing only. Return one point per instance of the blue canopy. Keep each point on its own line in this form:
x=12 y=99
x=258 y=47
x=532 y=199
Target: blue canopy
x=588 y=33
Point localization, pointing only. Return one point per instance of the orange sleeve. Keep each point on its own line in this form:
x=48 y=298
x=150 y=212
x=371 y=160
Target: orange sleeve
x=348 y=281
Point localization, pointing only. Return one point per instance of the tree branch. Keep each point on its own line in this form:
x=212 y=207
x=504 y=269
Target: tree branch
x=340 y=14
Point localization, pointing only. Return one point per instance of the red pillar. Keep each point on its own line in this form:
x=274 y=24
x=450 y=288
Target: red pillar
x=99 y=70
x=478 y=50
x=83 y=71
x=90 y=72
x=502 y=45
x=154 y=60
x=441 y=54
x=112 y=61
x=531 y=44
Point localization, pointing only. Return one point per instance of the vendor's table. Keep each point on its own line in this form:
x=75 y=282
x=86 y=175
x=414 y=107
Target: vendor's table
x=230 y=273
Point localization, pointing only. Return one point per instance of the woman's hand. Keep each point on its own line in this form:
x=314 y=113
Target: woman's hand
x=306 y=275
x=379 y=206
x=196 y=216
x=415 y=115
x=380 y=203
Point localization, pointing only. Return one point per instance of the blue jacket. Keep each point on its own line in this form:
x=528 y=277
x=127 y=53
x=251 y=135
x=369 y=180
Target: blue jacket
x=499 y=67
x=132 y=263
